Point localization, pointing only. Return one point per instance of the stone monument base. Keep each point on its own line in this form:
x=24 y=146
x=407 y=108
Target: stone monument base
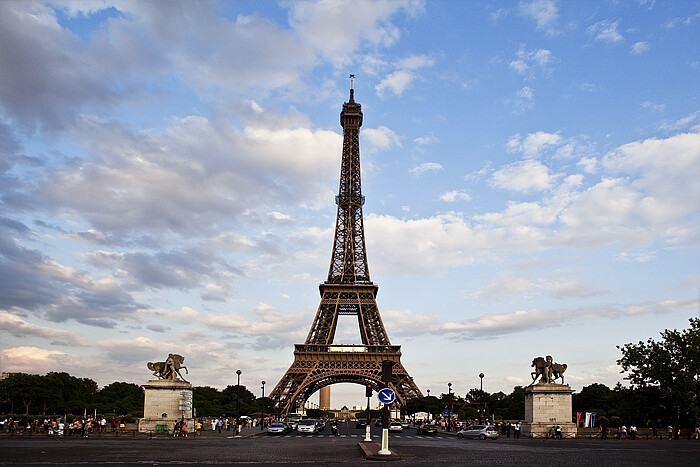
x=166 y=402
x=548 y=405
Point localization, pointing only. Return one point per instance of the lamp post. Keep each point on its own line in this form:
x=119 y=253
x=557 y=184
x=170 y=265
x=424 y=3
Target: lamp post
x=449 y=416
x=262 y=413
x=481 y=394
x=238 y=403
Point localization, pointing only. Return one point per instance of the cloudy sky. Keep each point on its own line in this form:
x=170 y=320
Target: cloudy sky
x=168 y=171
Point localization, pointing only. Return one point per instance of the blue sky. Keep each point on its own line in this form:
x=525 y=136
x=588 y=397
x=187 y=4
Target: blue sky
x=168 y=170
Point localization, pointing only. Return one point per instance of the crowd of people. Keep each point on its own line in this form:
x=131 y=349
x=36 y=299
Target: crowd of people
x=79 y=426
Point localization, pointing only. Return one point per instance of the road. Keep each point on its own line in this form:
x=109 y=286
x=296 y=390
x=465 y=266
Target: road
x=324 y=449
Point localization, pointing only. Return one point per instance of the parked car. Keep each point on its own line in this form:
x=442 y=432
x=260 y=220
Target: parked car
x=428 y=429
x=277 y=428
x=395 y=426
x=307 y=426
x=478 y=431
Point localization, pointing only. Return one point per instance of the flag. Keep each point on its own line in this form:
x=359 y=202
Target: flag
x=593 y=419
x=588 y=420
x=578 y=418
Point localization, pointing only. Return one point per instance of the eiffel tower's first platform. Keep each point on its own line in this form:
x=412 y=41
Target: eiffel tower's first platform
x=347 y=291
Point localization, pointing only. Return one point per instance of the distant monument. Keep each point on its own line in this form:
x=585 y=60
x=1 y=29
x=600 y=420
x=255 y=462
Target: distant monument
x=547 y=403
x=168 y=398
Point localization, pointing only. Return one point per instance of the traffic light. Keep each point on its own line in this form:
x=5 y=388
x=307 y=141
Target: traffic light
x=386 y=370
x=368 y=390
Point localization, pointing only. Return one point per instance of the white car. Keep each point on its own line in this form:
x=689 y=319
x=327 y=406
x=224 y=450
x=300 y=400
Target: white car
x=307 y=427
x=396 y=426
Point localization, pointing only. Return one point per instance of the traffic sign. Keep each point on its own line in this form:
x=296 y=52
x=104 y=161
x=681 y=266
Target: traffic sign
x=386 y=396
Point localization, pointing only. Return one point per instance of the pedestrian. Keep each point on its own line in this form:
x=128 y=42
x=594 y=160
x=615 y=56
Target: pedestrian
x=219 y=425
x=516 y=430
x=557 y=431
x=633 y=431
x=669 y=430
x=508 y=426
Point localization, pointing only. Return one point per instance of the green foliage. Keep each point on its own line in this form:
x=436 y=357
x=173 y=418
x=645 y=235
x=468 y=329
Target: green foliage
x=668 y=369
x=211 y=402
x=120 y=399
x=53 y=393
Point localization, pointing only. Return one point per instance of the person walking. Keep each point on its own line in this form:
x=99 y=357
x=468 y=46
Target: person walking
x=516 y=430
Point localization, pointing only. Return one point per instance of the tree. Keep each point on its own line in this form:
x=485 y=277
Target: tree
x=207 y=401
x=121 y=399
x=670 y=367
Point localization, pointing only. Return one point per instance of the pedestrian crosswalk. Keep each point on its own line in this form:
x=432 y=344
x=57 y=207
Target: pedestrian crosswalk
x=378 y=437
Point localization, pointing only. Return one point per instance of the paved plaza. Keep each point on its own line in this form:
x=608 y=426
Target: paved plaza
x=254 y=448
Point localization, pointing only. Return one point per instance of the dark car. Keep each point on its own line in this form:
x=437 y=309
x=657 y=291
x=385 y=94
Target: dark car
x=361 y=423
x=428 y=429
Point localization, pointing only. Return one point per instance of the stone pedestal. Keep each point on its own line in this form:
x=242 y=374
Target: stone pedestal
x=548 y=405
x=165 y=402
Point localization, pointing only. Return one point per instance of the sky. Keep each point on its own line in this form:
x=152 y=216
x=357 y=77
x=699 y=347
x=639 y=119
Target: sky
x=168 y=170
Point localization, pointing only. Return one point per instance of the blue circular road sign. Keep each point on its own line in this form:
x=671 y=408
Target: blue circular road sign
x=386 y=396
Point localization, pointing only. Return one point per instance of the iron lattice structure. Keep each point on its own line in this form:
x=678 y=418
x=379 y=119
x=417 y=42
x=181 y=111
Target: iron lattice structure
x=347 y=291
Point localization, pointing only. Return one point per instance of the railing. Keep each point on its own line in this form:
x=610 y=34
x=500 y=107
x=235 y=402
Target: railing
x=352 y=348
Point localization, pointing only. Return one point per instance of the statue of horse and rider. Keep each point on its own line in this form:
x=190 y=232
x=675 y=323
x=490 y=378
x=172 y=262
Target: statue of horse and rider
x=170 y=368
x=547 y=370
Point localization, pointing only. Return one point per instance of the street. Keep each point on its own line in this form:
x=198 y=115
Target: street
x=324 y=449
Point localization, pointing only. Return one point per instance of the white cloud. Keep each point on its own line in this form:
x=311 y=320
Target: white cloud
x=606 y=31
x=527 y=62
x=34 y=359
x=544 y=12
x=533 y=144
x=396 y=82
x=425 y=167
x=379 y=139
x=401 y=79
x=455 y=195
x=524 y=176
x=639 y=48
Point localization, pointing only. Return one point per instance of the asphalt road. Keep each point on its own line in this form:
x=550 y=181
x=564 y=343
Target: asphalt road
x=323 y=449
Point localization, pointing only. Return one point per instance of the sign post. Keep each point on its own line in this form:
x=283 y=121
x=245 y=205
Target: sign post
x=386 y=396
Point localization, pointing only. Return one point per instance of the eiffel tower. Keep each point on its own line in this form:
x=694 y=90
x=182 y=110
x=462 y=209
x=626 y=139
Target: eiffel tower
x=348 y=291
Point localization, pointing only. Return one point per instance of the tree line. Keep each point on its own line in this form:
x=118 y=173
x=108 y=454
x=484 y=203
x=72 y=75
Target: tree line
x=664 y=389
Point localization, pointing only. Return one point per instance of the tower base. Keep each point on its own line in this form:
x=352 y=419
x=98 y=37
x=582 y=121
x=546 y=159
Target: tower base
x=546 y=406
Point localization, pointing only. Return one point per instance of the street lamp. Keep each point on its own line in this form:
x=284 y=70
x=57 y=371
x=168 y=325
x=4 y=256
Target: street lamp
x=262 y=413
x=449 y=416
x=238 y=403
x=481 y=395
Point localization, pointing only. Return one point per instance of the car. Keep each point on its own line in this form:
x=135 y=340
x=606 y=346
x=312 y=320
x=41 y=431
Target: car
x=307 y=426
x=396 y=426
x=478 y=431
x=405 y=425
x=428 y=429
x=292 y=425
x=361 y=423
x=277 y=428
